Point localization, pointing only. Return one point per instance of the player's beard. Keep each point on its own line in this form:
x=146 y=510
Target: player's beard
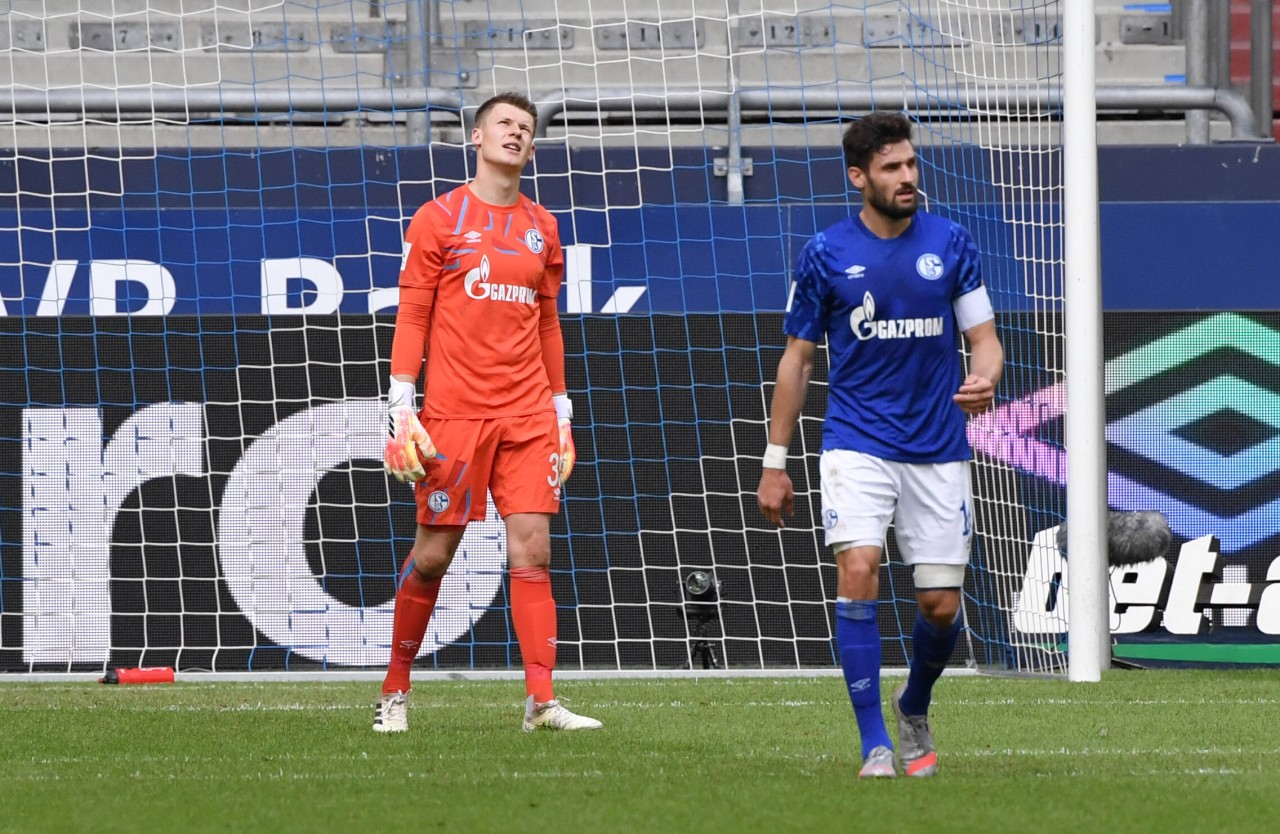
x=889 y=205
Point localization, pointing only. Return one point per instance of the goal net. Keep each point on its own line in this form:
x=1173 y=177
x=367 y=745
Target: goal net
x=201 y=210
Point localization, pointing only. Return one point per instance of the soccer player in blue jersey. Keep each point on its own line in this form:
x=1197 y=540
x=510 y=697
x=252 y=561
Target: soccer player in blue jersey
x=891 y=289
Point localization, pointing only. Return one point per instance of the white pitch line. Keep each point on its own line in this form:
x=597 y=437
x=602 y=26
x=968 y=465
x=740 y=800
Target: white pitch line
x=283 y=775
x=1095 y=752
x=424 y=675
x=1105 y=702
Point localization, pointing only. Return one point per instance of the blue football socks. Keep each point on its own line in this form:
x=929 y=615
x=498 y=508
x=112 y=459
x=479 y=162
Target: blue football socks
x=932 y=647
x=858 y=638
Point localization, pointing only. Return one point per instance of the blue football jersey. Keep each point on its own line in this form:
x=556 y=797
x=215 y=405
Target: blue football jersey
x=885 y=307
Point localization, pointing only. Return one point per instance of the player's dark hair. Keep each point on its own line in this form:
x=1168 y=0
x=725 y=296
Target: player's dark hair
x=867 y=136
x=513 y=98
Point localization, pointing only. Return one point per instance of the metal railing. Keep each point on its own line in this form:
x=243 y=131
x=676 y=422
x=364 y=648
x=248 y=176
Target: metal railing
x=240 y=100
x=1021 y=103
x=1204 y=26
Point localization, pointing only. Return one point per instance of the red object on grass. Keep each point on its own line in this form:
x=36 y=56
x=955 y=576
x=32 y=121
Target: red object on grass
x=143 y=674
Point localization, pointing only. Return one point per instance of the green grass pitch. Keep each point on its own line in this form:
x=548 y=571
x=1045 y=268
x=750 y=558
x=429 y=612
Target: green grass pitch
x=1166 y=751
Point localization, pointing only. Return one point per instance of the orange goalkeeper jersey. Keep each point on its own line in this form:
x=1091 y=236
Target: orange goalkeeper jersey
x=490 y=267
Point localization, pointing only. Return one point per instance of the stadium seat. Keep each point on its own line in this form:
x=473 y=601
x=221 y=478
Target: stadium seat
x=590 y=47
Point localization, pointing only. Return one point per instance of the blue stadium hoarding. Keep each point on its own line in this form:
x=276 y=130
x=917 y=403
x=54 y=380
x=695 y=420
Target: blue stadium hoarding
x=711 y=259
x=189 y=232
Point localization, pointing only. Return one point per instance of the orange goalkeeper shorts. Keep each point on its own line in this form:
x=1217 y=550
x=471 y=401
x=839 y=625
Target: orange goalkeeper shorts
x=514 y=458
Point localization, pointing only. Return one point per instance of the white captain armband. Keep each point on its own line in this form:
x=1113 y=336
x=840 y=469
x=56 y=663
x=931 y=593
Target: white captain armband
x=973 y=308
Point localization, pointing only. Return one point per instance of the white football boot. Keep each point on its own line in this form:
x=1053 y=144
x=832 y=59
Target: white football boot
x=878 y=765
x=392 y=713
x=555 y=716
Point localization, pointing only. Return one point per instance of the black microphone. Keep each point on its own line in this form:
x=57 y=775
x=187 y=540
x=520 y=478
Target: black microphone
x=1132 y=537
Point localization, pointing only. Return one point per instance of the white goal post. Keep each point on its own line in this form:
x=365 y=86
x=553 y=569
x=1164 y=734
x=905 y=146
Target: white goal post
x=1089 y=636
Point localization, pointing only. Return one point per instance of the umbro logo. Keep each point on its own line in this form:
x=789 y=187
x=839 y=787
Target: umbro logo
x=856 y=271
x=472 y=236
x=860 y=685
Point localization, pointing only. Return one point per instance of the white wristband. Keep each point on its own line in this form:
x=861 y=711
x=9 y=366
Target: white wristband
x=775 y=456
x=564 y=406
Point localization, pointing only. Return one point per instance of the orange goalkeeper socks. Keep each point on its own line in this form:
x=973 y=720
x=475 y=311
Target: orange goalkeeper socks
x=533 y=612
x=415 y=601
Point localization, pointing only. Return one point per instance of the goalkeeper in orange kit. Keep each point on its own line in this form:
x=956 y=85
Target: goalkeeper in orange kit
x=478 y=285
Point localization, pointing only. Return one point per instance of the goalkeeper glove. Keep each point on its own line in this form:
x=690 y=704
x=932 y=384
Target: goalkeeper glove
x=408 y=443
x=568 y=454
